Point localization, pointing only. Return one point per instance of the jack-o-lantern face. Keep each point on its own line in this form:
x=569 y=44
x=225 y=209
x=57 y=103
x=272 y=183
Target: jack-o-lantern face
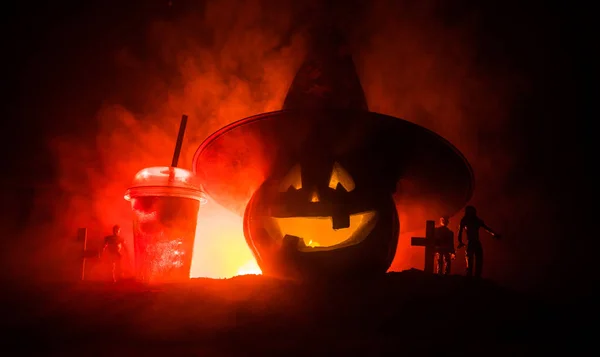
x=316 y=222
x=320 y=226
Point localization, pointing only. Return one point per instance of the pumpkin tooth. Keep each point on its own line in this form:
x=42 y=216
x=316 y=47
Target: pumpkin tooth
x=315 y=234
x=340 y=220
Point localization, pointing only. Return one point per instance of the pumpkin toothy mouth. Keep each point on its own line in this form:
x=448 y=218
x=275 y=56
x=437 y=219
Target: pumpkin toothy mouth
x=317 y=234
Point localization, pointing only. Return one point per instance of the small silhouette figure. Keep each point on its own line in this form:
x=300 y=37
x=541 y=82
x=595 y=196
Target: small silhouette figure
x=114 y=247
x=444 y=246
x=471 y=223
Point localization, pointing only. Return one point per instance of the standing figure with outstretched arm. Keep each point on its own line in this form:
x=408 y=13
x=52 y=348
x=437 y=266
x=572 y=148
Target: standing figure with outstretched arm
x=471 y=223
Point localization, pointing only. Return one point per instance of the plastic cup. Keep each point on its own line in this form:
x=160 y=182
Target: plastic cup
x=165 y=202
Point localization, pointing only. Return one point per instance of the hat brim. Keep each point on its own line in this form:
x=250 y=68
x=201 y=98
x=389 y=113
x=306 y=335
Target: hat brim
x=423 y=167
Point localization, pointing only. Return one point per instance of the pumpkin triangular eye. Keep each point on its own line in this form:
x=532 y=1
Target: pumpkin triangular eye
x=339 y=176
x=293 y=179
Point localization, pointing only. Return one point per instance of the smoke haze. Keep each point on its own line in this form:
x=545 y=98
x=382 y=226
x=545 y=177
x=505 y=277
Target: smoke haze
x=220 y=61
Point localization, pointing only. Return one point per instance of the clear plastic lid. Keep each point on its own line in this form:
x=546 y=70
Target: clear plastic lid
x=165 y=181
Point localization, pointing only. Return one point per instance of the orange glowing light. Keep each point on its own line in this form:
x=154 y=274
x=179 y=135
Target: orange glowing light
x=292 y=179
x=311 y=230
x=220 y=249
x=250 y=268
x=340 y=176
x=314 y=197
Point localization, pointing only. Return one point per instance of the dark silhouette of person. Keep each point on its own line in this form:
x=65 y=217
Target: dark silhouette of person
x=114 y=247
x=471 y=223
x=444 y=246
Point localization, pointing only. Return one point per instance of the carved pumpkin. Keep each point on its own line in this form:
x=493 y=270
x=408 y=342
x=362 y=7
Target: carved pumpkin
x=320 y=224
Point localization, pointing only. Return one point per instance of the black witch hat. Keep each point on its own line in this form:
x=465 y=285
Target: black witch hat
x=325 y=114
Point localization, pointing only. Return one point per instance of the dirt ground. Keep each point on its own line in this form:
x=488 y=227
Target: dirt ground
x=408 y=313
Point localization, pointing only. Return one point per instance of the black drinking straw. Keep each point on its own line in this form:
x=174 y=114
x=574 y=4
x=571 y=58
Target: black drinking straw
x=182 y=126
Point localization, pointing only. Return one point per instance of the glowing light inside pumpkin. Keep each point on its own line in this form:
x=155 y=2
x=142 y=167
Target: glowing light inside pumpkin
x=314 y=197
x=342 y=177
x=292 y=179
x=319 y=229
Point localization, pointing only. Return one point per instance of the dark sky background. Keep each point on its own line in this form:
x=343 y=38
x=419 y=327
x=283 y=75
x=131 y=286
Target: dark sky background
x=528 y=141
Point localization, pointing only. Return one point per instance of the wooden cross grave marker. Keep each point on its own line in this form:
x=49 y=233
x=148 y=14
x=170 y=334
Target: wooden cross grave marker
x=429 y=243
x=85 y=253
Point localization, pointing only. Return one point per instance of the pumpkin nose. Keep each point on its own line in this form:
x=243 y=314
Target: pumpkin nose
x=314 y=197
